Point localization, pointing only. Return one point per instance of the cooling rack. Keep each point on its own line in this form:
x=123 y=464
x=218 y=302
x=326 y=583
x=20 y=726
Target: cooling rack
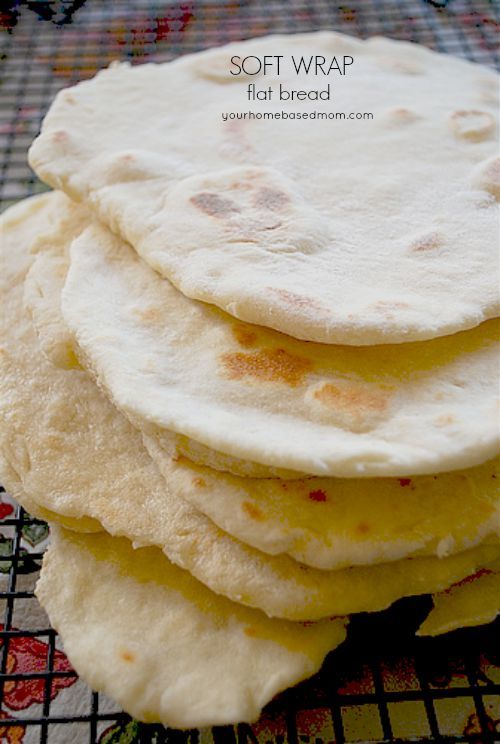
x=383 y=685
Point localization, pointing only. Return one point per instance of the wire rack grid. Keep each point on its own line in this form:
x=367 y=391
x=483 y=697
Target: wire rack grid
x=383 y=685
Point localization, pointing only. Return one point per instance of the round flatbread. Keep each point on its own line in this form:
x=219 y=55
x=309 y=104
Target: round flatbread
x=261 y=396
x=332 y=523
x=162 y=644
x=375 y=224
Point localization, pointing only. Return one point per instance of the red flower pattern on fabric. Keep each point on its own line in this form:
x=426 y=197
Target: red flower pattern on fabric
x=5 y=509
x=27 y=655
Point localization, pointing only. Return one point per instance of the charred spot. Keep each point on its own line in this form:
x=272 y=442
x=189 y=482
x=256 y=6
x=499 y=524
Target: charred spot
x=213 y=204
x=267 y=198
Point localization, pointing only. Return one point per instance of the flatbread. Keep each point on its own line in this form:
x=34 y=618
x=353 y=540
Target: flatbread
x=326 y=523
x=473 y=601
x=259 y=395
x=331 y=523
x=163 y=645
x=352 y=231
x=53 y=418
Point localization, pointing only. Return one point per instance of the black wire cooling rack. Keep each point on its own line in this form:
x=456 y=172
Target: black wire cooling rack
x=383 y=685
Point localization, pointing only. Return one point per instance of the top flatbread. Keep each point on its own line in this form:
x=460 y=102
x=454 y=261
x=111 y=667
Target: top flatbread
x=352 y=231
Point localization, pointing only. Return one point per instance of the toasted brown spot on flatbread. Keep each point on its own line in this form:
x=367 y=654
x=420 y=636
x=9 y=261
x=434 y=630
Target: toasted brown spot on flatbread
x=352 y=405
x=199 y=483
x=353 y=397
x=60 y=135
x=267 y=365
x=363 y=528
x=296 y=300
x=244 y=335
x=213 y=204
x=472 y=125
x=402 y=115
x=241 y=185
x=488 y=178
x=253 y=511
x=150 y=314
x=445 y=420
x=267 y=198
x=127 y=655
x=429 y=242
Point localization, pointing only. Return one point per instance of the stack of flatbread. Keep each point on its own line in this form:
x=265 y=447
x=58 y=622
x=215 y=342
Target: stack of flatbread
x=250 y=366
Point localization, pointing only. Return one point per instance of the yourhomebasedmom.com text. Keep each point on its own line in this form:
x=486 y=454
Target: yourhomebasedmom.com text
x=290 y=115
